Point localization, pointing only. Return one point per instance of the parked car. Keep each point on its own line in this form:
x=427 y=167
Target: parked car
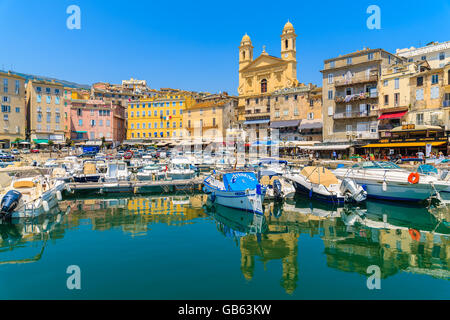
x=35 y=151
x=25 y=151
x=15 y=151
x=87 y=155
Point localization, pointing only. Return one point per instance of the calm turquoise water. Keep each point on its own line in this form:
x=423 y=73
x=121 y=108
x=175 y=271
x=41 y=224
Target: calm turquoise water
x=178 y=247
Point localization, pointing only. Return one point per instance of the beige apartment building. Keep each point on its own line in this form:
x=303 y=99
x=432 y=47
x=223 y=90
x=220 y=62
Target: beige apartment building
x=395 y=94
x=435 y=53
x=210 y=117
x=297 y=113
x=350 y=95
x=13 y=109
x=45 y=107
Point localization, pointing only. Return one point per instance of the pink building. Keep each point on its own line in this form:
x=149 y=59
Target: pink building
x=93 y=120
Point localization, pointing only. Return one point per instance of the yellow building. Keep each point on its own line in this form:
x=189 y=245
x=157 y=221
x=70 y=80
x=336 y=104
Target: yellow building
x=159 y=117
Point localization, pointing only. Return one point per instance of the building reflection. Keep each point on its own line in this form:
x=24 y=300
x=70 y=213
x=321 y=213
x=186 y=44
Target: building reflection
x=394 y=237
x=135 y=215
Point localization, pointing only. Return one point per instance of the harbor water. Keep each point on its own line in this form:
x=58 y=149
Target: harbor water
x=182 y=247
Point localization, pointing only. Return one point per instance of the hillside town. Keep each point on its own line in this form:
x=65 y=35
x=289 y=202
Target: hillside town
x=371 y=103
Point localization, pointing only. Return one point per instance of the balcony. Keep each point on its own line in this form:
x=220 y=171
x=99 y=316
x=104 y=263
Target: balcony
x=355 y=80
x=356 y=97
x=366 y=135
x=351 y=115
x=257 y=115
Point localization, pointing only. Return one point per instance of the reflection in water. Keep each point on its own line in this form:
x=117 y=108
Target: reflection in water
x=395 y=237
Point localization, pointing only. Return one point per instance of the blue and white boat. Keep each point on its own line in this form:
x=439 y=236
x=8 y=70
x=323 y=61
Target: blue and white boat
x=237 y=189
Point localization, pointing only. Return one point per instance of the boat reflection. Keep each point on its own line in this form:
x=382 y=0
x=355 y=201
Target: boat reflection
x=397 y=238
x=19 y=232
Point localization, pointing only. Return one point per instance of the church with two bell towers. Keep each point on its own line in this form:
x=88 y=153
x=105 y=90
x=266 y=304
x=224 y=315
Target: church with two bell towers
x=266 y=74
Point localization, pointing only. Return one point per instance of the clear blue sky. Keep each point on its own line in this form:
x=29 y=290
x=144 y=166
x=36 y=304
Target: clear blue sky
x=193 y=45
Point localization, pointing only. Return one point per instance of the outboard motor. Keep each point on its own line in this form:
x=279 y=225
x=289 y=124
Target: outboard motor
x=9 y=203
x=352 y=191
x=277 y=189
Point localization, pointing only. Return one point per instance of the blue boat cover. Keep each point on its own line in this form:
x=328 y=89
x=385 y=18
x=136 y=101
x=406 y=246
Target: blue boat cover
x=240 y=181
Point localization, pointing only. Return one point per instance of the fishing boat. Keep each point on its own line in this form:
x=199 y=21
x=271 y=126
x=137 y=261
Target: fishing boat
x=235 y=189
x=30 y=197
x=270 y=174
x=180 y=168
x=321 y=184
x=386 y=180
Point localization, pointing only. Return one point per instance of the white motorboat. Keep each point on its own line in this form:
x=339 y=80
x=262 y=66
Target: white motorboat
x=30 y=197
x=321 y=184
x=117 y=171
x=151 y=172
x=235 y=189
x=386 y=180
x=270 y=174
x=180 y=169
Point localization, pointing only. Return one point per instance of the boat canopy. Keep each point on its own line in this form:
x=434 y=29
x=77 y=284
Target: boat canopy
x=240 y=181
x=272 y=161
x=319 y=175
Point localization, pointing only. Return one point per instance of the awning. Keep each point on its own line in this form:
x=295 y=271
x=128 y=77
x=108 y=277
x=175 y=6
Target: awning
x=392 y=115
x=404 y=144
x=80 y=131
x=311 y=124
x=41 y=141
x=284 y=124
x=328 y=147
x=257 y=121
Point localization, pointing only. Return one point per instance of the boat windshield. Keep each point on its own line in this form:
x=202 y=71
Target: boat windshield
x=376 y=165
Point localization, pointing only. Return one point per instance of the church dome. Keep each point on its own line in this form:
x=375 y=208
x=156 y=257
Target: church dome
x=246 y=38
x=288 y=26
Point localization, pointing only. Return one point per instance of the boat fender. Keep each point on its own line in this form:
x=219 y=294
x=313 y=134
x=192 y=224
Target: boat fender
x=384 y=187
x=45 y=206
x=415 y=234
x=58 y=195
x=414 y=178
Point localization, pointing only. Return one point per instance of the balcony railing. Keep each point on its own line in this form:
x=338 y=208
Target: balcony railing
x=257 y=115
x=356 y=97
x=366 y=135
x=350 y=115
x=355 y=80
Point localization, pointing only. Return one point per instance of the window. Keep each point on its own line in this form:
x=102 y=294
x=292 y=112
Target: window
x=286 y=98
x=332 y=64
x=330 y=95
x=38 y=98
x=349 y=127
x=330 y=78
x=92 y=123
x=386 y=99
x=17 y=87
x=49 y=99
x=79 y=111
x=419 y=118
x=434 y=79
x=49 y=117
x=80 y=122
x=174 y=124
x=149 y=125
x=397 y=83
x=349 y=60
x=396 y=99
x=442 y=56
x=263 y=86
x=296 y=112
x=5 y=85
x=100 y=123
x=423 y=58
x=138 y=125
x=47 y=90
x=132 y=114
x=370 y=56
x=419 y=94
x=419 y=81
x=39 y=117
x=277 y=114
x=310 y=116
x=434 y=92
x=311 y=102
x=17 y=110
x=385 y=83
x=285 y=112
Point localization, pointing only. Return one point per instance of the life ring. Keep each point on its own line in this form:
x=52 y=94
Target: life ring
x=415 y=234
x=413 y=178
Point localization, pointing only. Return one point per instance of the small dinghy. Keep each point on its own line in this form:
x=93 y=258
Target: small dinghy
x=322 y=184
x=236 y=189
